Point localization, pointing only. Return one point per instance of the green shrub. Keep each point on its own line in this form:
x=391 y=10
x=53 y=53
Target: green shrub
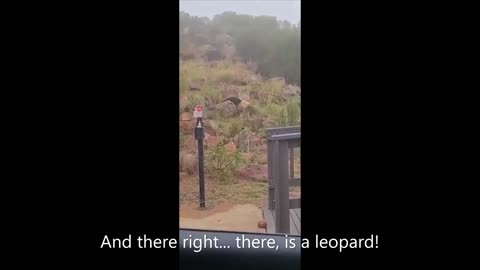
x=293 y=111
x=222 y=165
x=231 y=127
x=214 y=94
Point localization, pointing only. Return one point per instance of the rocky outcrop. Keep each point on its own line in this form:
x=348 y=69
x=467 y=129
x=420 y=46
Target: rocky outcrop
x=197 y=85
x=254 y=172
x=230 y=147
x=189 y=163
x=226 y=108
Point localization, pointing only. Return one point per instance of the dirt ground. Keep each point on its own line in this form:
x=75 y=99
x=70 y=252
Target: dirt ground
x=233 y=206
x=222 y=217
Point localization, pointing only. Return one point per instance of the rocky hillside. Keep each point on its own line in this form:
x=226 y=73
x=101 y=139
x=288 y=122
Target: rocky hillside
x=238 y=106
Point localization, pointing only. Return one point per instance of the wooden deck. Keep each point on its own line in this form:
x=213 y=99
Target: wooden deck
x=282 y=213
x=295 y=220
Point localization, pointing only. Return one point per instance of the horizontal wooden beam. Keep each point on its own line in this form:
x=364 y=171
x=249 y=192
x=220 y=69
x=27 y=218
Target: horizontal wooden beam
x=286 y=136
x=294 y=203
x=281 y=130
x=294 y=182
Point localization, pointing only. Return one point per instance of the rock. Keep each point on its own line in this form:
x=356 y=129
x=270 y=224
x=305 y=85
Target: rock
x=190 y=145
x=197 y=85
x=243 y=106
x=230 y=147
x=212 y=140
x=262 y=224
x=247 y=156
x=189 y=164
x=210 y=126
x=255 y=140
x=244 y=97
x=186 y=123
x=186 y=116
x=291 y=90
x=254 y=172
x=227 y=108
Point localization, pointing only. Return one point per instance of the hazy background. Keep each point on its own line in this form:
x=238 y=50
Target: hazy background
x=284 y=10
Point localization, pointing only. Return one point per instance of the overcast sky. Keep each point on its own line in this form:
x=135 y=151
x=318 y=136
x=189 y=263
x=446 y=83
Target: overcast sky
x=284 y=10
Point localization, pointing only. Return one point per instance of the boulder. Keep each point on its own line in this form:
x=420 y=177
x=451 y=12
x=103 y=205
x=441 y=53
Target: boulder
x=211 y=140
x=226 y=108
x=210 y=126
x=262 y=224
x=243 y=96
x=230 y=147
x=197 y=85
x=190 y=145
x=247 y=156
x=189 y=163
x=186 y=123
x=186 y=116
x=244 y=106
x=254 y=172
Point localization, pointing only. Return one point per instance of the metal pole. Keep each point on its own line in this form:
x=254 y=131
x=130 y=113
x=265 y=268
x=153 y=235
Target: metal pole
x=200 y=135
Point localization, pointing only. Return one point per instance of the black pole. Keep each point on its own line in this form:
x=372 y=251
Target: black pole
x=199 y=135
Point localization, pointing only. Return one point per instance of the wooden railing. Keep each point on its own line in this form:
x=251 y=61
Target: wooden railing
x=281 y=145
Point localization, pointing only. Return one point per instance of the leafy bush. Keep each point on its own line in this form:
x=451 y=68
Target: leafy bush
x=214 y=94
x=231 y=127
x=293 y=111
x=222 y=165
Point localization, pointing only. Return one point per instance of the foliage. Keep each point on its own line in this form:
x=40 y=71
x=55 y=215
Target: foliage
x=293 y=111
x=274 y=45
x=221 y=164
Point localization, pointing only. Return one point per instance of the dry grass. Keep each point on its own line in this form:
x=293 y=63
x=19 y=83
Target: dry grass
x=241 y=192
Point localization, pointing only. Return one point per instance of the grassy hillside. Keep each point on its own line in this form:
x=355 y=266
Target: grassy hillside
x=235 y=133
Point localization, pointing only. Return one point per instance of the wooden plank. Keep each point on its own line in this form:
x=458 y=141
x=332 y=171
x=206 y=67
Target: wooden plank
x=293 y=226
x=282 y=201
x=294 y=203
x=272 y=131
x=294 y=217
x=269 y=218
x=286 y=136
x=294 y=182
x=298 y=213
x=271 y=183
x=296 y=221
x=292 y=162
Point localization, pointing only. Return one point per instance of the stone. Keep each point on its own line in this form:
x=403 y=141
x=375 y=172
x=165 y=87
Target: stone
x=230 y=147
x=243 y=106
x=189 y=164
x=262 y=224
x=247 y=156
x=227 y=108
x=254 y=172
